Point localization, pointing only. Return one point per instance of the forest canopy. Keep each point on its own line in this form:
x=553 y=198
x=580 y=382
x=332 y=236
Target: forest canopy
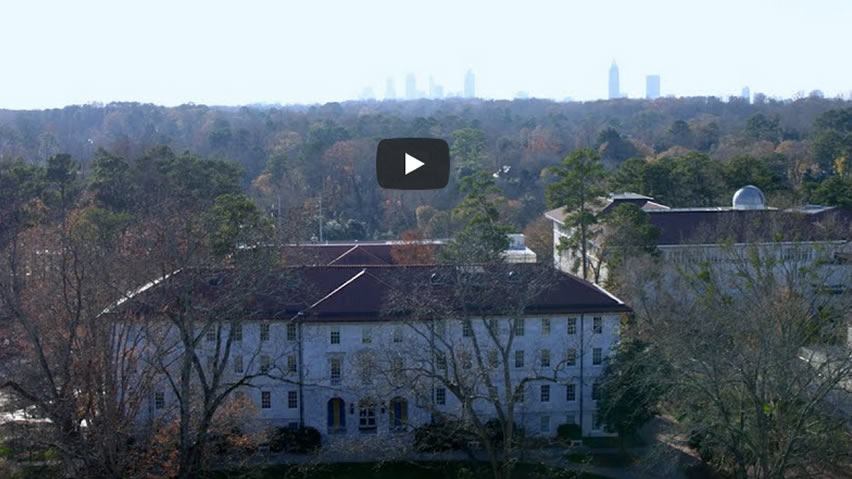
x=315 y=164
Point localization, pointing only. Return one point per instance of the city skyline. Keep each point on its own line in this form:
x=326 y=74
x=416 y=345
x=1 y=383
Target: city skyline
x=93 y=54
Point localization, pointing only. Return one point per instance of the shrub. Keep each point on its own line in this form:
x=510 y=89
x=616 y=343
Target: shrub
x=569 y=431
x=301 y=439
x=442 y=436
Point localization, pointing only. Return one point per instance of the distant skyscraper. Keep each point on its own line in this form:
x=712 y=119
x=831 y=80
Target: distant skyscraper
x=390 y=89
x=367 y=93
x=410 y=86
x=652 y=87
x=469 y=87
x=435 y=90
x=613 y=81
x=746 y=94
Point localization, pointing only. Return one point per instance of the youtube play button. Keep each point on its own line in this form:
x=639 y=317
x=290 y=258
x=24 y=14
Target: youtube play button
x=413 y=163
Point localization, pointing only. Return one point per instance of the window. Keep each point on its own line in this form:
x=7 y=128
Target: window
x=211 y=363
x=545 y=393
x=492 y=326
x=366 y=335
x=519 y=359
x=596 y=422
x=545 y=326
x=572 y=325
x=544 y=424
x=597 y=325
x=571 y=392
x=570 y=357
x=211 y=334
x=396 y=365
x=570 y=418
x=545 y=358
x=264 y=332
x=467 y=328
x=265 y=400
x=291 y=331
x=238 y=332
x=519 y=395
x=292 y=399
x=492 y=358
x=441 y=360
x=335 y=365
x=238 y=364
x=466 y=360
x=597 y=356
x=291 y=363
x=519 y=327
x=334 y=338
x=397 y=334
x=264 y=364
x=159 y=400
x=367 y=415
x=440 y=396
x=596 y=391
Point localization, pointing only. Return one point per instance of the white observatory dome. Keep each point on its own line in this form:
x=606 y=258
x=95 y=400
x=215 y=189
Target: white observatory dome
x=749 y=197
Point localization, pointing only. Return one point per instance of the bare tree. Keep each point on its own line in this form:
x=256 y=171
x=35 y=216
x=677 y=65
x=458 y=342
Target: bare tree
x=467 y=321
x=752 y=339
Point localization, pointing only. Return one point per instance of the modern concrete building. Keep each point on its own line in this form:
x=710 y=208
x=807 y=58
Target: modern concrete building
x=614 y=91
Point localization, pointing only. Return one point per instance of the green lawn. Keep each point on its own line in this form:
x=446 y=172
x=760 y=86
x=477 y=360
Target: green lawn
x=448 y=470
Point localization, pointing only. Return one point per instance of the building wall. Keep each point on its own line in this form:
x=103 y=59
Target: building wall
x=414 y=351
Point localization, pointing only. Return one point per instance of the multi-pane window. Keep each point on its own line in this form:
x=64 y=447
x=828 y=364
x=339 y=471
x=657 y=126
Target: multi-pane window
x=291 y=331
x=519 y=395
x=265 y=400
x=397 y=334
x=519 y=327
x=238 y=332
x=545 y=358
x=596 y=391
x=291 y=363
x=545 y=393
x=597 y=325
x=571 y=392
x=264 y=364
x=597 y=356
x=572 y=325
x=519 y=359
x=159 y=400
x=211 y=334
x=544 y=424
x=492 y=358
x=367 y=416
x=238 y=364
x=570 y=357
x=335 y=365
x=397 y=365
x=467 y=328
x=570 y=418
x=334 y=337
x=466 y=360
x=545 y=326
x=366 y=335
x=441 y=360
x=440 y=396
x=292 y=399
x=264 y=331
x=211 y=363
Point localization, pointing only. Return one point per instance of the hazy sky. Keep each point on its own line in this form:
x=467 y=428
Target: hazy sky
x=171 y=52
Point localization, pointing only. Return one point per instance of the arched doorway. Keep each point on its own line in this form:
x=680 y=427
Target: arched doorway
x=398 y=414
x=336 y=415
